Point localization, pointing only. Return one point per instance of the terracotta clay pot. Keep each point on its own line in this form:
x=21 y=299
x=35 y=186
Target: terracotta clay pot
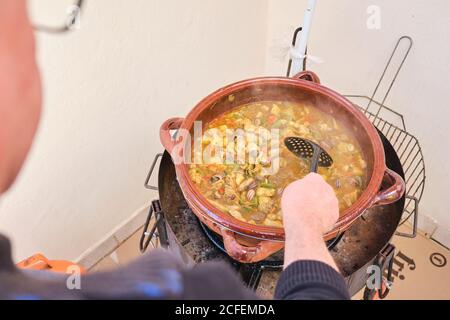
x=250 y=243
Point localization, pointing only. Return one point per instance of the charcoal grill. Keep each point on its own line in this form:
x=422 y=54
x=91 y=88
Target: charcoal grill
x=366 y=243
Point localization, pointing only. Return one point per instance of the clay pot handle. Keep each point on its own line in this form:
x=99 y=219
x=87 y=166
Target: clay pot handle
x=164 y=132
x=394 y=192
x=246 y=254
x=308 y=76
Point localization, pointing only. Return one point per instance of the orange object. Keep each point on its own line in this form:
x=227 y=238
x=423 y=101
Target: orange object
x=40 y=262
x=271 y=119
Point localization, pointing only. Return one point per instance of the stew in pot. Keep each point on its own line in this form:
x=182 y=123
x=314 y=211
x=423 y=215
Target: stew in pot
x=251 y=190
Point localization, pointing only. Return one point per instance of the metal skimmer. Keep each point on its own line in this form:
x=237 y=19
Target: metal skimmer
x=307 y=149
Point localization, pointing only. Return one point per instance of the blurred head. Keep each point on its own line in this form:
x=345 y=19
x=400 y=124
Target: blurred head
x=20 y=89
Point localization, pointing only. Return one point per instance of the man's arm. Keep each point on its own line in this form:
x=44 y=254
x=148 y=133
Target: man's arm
x=310 y=208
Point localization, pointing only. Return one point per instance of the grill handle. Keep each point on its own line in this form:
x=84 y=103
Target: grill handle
x=245 y=254
x=394 y=192
x=150 y=173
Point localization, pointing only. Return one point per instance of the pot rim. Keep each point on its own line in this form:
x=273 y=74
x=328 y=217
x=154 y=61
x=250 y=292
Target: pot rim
x=195 y=198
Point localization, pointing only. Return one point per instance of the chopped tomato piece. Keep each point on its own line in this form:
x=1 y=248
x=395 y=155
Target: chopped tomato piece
x=271 y=119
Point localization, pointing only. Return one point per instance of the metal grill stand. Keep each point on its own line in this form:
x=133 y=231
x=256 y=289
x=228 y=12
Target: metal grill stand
x=181 y=231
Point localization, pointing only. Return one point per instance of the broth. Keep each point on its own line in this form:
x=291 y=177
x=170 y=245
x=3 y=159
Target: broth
x=246 y=190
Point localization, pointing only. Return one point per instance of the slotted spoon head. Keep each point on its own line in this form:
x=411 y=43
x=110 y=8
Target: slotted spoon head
x=305 y=149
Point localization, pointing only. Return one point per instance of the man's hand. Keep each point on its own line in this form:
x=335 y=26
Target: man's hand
x=309 y=203
x=310 y=209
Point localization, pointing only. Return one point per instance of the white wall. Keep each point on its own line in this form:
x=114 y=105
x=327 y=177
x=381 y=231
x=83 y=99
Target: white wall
x=354 y=57
x=108 y=87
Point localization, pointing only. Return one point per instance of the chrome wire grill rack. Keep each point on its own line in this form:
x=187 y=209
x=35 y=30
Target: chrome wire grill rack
x=394 y=129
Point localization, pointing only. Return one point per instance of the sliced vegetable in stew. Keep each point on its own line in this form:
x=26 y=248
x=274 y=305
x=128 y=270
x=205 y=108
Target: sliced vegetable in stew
x=246 y=190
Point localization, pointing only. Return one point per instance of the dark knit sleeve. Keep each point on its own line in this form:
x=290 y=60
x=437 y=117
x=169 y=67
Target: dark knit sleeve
x=215 y=281
x=159 y=275
x=311 y=280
